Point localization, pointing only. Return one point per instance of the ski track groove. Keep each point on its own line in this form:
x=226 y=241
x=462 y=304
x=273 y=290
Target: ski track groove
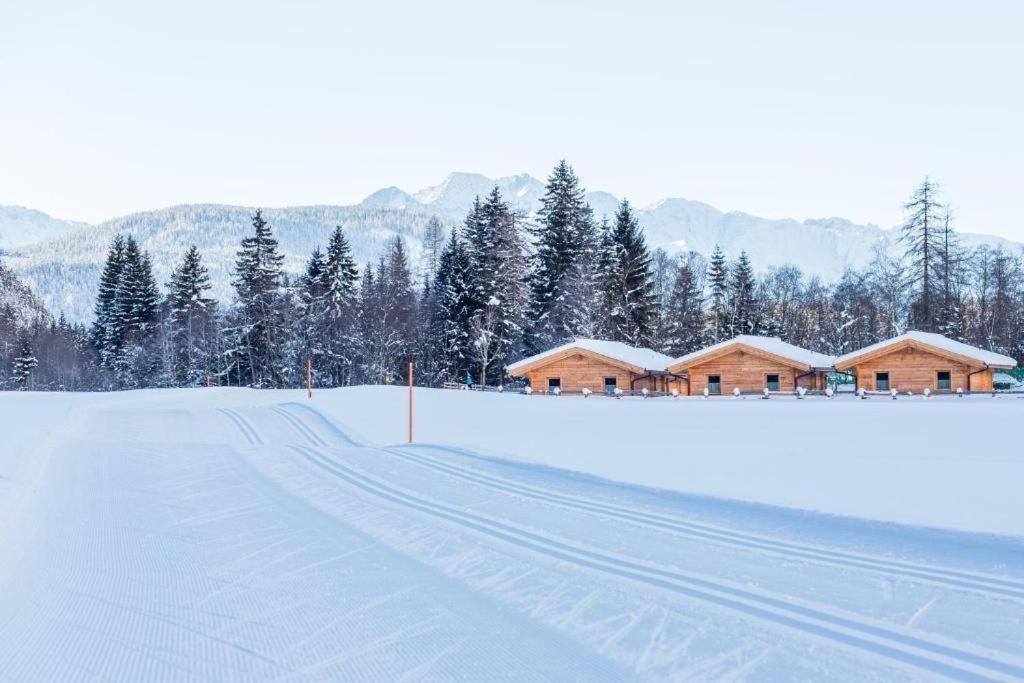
x=991 y=585
x=915 y=650
x=876 y=639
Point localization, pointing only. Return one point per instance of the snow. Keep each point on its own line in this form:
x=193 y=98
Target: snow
x=631 y=355
x=233 y=534
x=772 y=345
x=990 y=358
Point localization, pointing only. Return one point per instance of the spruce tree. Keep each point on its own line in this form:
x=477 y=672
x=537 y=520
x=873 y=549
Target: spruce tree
x=741 y=297
x=562 y=278
x=684 y=312
x=718 y=297
x=339 y=286
x=257 y=335
x=191 y=321
x=451 y=329
x=108 y=329
x=628 y=283
x=24 y=364
x=920 y=237
x=496 y=251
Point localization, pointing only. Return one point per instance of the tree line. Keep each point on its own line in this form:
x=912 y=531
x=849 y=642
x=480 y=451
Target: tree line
x=498 y=287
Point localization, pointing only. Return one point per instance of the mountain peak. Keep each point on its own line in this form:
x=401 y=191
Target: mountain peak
x=389 y=198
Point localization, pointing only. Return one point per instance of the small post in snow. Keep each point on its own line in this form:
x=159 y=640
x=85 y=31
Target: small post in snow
x=410 y=401
x=309 y=378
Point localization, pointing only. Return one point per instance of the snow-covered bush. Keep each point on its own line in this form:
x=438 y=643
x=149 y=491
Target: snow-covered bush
x=829 y=391
x=927 y=392
x=764 y=393
x=645 y=392
x=959 y=392
x=617 y=392
x=801 y=392
x=556 y=391
x=528 y=390
x=862 y=393
x=894 y=394
x=586 y=392
x=735 y=392
x=706 y=392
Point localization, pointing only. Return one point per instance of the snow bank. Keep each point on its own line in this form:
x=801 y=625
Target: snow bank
x=941 y=462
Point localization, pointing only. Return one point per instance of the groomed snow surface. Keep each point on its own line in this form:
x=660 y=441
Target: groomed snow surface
x=244 y=535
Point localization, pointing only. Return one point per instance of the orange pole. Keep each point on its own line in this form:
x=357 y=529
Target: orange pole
x=410 y=401
x=309 y=378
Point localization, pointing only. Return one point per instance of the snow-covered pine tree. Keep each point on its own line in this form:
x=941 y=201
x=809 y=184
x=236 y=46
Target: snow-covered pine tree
x=108 y=328
x=398 y=304
x=339 y=282
x=741 y=297
x=718 y=325
x=683 y=314
x=451 y=327
x=191 y=322
x=920 y=237
x=131 y=319
x=496 y=250
x=562 y=281
x=256 y=342
x=24 y=364
x=627 y=283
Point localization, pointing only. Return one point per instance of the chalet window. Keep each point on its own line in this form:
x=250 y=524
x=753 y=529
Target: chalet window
x=714 y=384
x=944 y=382
x=609 y=385
x=554 y=383
x=773 y=382
x=882 y=381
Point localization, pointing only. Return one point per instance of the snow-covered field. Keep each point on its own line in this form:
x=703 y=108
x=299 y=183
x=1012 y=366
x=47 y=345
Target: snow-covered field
x=234 y=534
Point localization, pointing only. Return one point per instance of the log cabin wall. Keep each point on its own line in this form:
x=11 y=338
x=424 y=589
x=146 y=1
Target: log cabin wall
x=577 y=372
x=912 y=369
x=746 y=371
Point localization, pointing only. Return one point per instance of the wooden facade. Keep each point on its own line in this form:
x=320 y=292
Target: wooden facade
x=913 y=366
x=747 y=368
x=576 y=369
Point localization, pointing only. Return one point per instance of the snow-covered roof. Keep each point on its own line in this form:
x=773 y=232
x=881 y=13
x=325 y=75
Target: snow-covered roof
x=624 y=353
x=772 y=345
x=990 y=358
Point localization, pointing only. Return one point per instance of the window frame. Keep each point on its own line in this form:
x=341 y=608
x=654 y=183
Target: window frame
x=888 y=380
x=778 y=381
x=708 y=383
x=949 y=380
x=558 y=383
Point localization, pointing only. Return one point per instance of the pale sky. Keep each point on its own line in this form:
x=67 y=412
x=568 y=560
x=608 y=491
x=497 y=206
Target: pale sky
x=781 y=109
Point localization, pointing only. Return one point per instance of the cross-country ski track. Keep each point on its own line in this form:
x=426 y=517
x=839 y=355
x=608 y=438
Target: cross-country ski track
x=255 y=536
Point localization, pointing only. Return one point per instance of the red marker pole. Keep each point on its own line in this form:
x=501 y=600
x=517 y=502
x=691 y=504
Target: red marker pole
x=410 y=401
x=309 y=378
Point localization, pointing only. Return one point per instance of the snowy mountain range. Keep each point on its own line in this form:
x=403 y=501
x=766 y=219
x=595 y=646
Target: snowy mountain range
x=61 y=260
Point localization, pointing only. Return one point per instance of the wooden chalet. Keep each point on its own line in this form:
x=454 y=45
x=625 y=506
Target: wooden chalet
x=597 y=365
x=752 y=364
x=918 y=360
